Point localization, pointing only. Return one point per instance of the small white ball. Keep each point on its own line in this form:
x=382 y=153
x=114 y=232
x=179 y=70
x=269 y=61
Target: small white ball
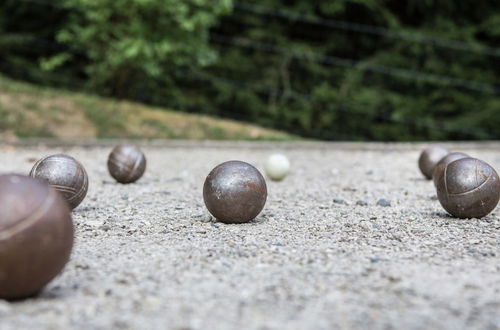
x=277 y=166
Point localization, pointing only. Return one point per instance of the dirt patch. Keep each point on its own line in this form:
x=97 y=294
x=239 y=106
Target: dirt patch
x=58 y=116
x=30 y=111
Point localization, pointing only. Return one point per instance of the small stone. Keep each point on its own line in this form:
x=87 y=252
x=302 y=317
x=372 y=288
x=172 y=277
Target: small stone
x=105 y=228
x=366 y=225
x=383 y=202
x=94 y=223
x=481 y=253
x=339 y=201
x=361 y=203
x=152 y=301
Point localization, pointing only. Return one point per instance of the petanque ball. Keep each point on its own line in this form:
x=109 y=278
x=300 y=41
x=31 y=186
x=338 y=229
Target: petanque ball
x=126 y=163
x=36 y=235
x=468 y=188
x=235 y=192
x=65 y=174
x=429 y=158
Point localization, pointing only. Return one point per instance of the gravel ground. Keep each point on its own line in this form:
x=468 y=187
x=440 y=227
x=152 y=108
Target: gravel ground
x=353 y=238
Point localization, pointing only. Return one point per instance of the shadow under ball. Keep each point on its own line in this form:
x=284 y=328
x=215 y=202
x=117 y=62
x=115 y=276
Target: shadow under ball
x=468 y=188
x=36 y=235
x=126 y=163
x=65 y=174
x=429 y=158
x=451 y=157
x=235 y=192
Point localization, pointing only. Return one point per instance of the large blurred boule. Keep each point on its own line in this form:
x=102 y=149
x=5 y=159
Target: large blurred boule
x=65 y=174
x=277 y=167
x=36 y=235
x=429 y=158
x=234 y=192
x=468 y=188
x=451 y=157
x=126 y=163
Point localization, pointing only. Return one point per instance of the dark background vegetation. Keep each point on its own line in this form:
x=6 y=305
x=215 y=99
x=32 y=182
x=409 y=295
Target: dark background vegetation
x=343 y=69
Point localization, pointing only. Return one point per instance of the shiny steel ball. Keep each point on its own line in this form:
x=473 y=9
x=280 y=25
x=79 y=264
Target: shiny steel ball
x=468 y=188
x=36 y=235
x=65 y=174
x=235 y=192
x=126 y=163
x=451 y=157
x=429 y=159
x=277 y=167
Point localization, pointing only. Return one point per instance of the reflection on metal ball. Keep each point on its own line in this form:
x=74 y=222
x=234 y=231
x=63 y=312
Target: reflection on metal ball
x=451 y=157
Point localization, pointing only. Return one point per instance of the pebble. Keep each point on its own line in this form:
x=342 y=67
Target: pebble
x=94 y=223
x=361 y=203
x=481 y=253
x=383 y=202
x=366 y=225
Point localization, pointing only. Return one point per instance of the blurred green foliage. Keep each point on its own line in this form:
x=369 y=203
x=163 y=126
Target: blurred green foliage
x=134 y=40
x=273 y=63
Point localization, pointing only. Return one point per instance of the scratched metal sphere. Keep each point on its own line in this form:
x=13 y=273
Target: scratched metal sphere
x=429 y=159
x=65 y=174
x=126 y=163
x=36 y=235
x=235 y=192
x=468 y=188
x=451 y=157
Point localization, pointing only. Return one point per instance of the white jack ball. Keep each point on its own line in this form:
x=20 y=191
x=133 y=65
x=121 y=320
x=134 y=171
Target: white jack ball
x=277 y=166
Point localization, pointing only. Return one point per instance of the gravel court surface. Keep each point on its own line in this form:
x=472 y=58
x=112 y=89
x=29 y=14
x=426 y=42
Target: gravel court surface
x=321 y=255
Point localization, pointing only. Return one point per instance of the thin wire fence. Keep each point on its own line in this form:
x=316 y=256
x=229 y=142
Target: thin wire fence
x=344 y=106
x=349 y=108
x=367 y=29
x=344 y=25
x=356 y=64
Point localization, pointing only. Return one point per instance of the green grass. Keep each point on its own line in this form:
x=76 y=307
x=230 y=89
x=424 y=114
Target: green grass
x=32 y=111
